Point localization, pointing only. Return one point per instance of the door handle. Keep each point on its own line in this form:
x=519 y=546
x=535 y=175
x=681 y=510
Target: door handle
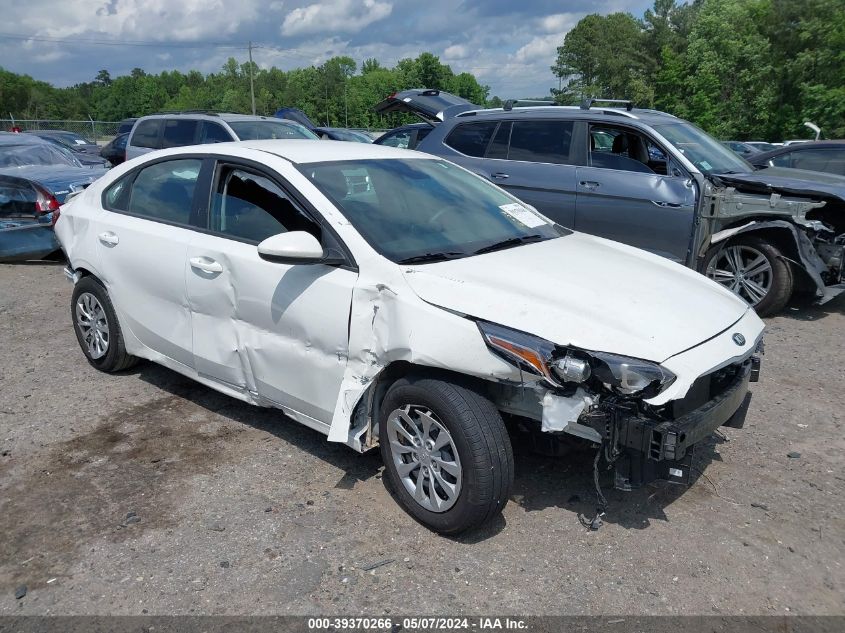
x=590 y=184
x=500 y=175
x=206 y=265
x=108 y=238
x=666 y=205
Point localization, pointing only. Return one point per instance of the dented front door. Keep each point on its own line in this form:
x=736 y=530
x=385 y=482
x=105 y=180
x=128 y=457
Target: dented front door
x=275 y=330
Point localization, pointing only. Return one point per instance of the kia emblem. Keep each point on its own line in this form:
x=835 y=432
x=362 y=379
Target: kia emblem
x=739 y=339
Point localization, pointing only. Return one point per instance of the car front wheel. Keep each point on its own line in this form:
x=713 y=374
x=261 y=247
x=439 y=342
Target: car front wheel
x=753 y=269
x=447 y=454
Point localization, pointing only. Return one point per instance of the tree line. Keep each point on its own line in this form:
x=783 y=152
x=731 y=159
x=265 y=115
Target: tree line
x=334 y=93
x=740 y=69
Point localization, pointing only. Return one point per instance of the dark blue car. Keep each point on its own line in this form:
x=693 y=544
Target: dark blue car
x=35 y=179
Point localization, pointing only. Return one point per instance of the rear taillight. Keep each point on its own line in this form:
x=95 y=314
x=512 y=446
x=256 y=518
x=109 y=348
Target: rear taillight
x=45 y=202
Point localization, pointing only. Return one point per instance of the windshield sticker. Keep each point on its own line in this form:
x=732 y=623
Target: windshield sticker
x=522 y=215
x=705 y=165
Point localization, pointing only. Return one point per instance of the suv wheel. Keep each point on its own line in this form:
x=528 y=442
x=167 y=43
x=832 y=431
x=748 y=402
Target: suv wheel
x=447 y=454
x=753 y=269
x=96 y=327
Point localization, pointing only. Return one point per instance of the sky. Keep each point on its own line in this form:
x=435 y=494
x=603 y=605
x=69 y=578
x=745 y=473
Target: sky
x=508 y=44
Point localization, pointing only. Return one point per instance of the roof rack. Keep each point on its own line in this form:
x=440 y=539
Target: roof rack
x=208 y=112
x=586 y=104
x=510 y=104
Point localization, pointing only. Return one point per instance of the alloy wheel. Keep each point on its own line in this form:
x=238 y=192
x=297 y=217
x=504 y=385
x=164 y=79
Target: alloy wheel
x=425 y=457
x=93 y=325
x=743 y=270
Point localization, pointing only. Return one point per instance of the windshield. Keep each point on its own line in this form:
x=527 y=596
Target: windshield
x=421 y=209
x=702 y=150
x=36 y=154
x=256 y=130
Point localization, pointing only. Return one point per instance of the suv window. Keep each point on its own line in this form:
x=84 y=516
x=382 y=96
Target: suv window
x=628 y=151
x=819 y=159
x=401 y=139
x=165 y=191
x=214 y=133
x=146 y=134
x=499 y=147
x=179 y=132
x=541 y=141
x=471 y=138
x=251 y=207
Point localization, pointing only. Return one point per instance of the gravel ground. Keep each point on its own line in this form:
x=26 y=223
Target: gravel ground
x=144 y=492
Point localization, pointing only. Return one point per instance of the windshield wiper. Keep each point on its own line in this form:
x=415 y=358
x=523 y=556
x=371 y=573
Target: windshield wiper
x=432 y=257
x=508 y=243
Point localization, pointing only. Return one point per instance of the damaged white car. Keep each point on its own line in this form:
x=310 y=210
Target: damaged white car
x=390 y=298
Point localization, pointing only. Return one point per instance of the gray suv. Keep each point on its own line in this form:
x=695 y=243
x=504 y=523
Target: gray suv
x=176 y=129
x=651 y=180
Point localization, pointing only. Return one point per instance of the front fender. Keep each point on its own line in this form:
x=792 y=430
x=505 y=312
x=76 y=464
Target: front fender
x=804 y=255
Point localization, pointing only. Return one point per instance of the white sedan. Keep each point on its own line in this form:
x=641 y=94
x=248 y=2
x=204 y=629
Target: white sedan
x=390 y=298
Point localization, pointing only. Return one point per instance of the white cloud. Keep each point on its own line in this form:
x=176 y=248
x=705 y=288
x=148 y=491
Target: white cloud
x=344 y=16
x=456 y=52
x=558 y=22
x=541 y=47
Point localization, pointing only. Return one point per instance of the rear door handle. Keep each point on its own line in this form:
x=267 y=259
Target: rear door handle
x=108 y=238
x=500 y=175
x=590 y=184
x=206 y=264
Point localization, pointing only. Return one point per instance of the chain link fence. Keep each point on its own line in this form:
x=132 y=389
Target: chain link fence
x=100 y=132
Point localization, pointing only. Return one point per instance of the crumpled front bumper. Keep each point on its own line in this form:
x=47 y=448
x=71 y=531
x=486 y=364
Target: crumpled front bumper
x=648 y=448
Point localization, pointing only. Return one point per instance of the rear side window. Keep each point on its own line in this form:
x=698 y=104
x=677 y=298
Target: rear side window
x=541 y=141
x=249 y=206
x=165 y=191
x=471 y=138
x=179 y=132
x=146 y=134
x=400 y=139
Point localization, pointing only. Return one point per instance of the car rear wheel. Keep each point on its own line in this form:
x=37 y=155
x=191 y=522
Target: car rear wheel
x=447 y=454
x=753 y=269
x=96 y=327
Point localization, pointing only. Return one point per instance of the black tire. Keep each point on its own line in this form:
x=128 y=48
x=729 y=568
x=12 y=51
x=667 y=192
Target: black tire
x=115 y=357
x=480 y=439
x=782 y=282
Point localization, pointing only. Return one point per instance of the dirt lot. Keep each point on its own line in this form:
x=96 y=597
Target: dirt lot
x=241 y=511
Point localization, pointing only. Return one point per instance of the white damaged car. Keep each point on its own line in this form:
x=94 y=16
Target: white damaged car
x=390 y=298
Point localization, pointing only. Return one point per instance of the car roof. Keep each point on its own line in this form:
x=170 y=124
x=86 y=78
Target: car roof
x=216 y=116
x=643 y=115
x=11 y=138
x=301 y=151
x=797 y=147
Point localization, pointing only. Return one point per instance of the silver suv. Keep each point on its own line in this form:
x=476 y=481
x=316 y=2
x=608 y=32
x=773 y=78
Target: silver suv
x=653 y=181
x=177 y=129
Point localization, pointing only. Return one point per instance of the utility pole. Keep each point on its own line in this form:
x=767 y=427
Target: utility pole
x=251 y=85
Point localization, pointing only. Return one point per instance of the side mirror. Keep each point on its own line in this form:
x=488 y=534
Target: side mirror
x=295 y=247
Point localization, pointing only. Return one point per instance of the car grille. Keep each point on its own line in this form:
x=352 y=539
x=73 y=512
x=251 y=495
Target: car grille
x=705 y=388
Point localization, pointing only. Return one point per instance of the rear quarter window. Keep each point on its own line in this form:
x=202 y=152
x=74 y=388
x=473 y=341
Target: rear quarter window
x=146 y=134
x=471 y=138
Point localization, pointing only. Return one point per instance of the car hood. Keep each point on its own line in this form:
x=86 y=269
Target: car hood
x=587 y=292
x=788 y=181
x=60 y=180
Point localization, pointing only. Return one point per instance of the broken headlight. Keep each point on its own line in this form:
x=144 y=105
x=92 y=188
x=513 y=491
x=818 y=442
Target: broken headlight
x=630 y=376
x=559 y=366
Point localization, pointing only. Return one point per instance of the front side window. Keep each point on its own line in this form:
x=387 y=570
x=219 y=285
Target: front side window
x=251 y=207
x=408 y=209
x=165 y=191
x=471 y=138
x=541 y=141
x=828 y=160
x=146 y=134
